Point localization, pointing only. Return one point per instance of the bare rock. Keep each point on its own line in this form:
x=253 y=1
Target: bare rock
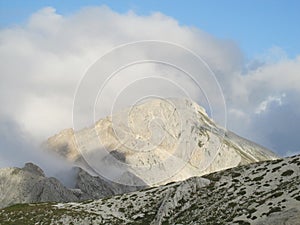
x=34 y=169
x=97 y=187
x=28 y=185
x=159 y=141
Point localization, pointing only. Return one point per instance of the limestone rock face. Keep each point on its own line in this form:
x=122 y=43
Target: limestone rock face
x=29 y=185
x=33 y=169
x=51 y=190
x=159 y=141
x=96 y=187
x=64 y=144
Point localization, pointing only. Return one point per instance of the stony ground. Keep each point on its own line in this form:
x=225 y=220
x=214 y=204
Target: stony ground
x=260 y=193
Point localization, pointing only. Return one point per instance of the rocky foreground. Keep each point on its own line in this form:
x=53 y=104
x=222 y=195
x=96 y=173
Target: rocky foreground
x=259 y=193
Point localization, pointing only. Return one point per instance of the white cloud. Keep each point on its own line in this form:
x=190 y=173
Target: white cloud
x=43 y=61
x=263 y=106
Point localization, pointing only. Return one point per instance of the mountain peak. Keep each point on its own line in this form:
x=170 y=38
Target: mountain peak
x=159 y=141
x=34 y=169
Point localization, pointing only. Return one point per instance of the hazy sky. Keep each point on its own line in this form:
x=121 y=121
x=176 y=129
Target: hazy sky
x=252 y=47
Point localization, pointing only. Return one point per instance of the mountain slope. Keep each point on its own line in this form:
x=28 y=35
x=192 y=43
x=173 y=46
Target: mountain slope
x=260 y=193
x=159 y=141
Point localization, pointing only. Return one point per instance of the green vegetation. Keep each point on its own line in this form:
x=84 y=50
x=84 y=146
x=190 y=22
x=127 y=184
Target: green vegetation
x=43 y=213
x=287 y=173
x=228 y=199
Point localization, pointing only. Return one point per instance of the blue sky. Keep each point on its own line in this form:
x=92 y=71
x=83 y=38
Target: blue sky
x=255 y=26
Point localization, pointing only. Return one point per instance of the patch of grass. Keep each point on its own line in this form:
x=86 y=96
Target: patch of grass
x=272 y=210
x=200 y=144
x=287 y=173
x=242 y=222
x=41 y=213
x=241 y=193
x=122 y=210
x=258 y=178
x=277 y=194
x=235 y=174
x=275 y=169
x=232 y=204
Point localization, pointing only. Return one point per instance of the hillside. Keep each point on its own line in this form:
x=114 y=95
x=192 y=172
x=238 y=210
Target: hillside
x=259 y=193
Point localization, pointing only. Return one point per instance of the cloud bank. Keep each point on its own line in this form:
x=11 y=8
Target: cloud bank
x=43 y=60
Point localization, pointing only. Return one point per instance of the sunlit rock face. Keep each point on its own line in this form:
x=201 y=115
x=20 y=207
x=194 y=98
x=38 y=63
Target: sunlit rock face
x=158 y=141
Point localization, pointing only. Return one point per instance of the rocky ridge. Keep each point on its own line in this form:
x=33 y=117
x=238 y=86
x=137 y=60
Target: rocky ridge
x=30 y=185
x=260 y=193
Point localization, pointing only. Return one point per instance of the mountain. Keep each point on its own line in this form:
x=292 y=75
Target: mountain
x=262 y=193
x=150 y=144
x=29 y=184
x=158 y=141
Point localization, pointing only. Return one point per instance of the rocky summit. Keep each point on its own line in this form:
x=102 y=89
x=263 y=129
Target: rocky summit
x=159 y=141
x=263 y=193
